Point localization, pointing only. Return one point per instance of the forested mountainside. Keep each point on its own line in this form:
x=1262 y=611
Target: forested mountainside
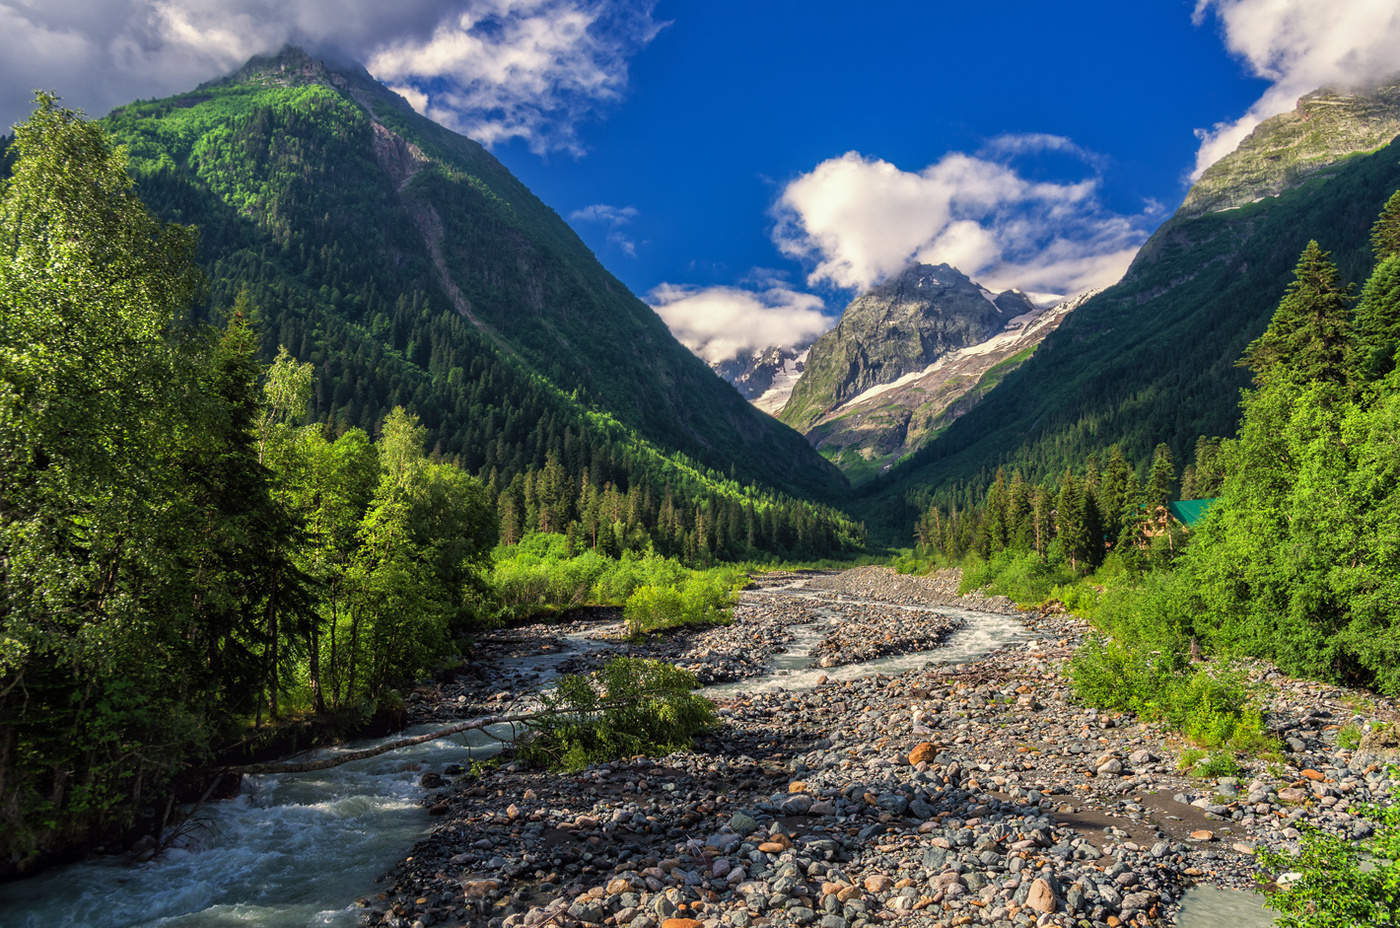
x=1152 y=359
x=411 y=267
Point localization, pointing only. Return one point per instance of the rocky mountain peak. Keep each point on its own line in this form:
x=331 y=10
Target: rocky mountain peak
x=1325 y=128
x=895 y=328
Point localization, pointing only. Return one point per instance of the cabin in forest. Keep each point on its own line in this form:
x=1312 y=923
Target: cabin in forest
x=1189 y=511
x=1158 y=520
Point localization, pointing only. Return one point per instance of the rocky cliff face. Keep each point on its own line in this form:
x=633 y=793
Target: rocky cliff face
x=868 y=433
x=897 y=328
x=1325 y=128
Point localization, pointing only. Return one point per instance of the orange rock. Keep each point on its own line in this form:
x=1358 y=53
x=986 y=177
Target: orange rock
x=922 y=754
x=682 y=923
x=1202 y=835
x=797 y=786
x=877 y=883
x=770 y=847
x=1312 y=774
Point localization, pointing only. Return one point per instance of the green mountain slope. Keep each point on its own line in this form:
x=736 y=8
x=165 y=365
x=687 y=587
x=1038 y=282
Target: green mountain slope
x=1151 y=359
x=413 y=268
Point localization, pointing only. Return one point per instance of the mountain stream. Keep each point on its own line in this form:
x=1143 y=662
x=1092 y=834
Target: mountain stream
x=297 y=850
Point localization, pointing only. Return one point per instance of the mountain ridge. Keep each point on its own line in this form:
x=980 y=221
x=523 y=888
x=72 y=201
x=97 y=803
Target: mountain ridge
x=1152 y=358
x=455 y=219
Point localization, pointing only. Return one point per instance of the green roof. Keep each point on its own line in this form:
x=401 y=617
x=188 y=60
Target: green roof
x=1189 y=511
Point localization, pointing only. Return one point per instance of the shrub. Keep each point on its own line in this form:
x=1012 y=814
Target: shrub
x=1217 y=765
x=1336 y=882
x=1349 y=737
x=1210 y=707
x=702 y=599
x=632 y=706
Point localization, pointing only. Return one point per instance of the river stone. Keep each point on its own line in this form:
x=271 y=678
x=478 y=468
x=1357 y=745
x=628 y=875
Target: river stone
x=922 y=754
x=1042 y=897
x=743 y=823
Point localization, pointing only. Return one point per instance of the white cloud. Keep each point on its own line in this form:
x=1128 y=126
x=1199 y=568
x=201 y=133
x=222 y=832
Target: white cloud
x=605 y=213
x=494 y=69
x=719 y=323
x=1298 y=46
x=614 y=217
x=857 y=220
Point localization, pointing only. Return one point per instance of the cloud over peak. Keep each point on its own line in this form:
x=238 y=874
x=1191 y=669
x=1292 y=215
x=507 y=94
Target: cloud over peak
x=1298 y=46
x=856 y=220
x=494 y=69
x=719 y=323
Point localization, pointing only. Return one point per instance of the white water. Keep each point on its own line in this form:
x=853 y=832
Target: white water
x=291 y=851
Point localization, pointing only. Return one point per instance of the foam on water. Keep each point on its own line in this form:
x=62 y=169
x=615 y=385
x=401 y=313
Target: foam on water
x=290 y=851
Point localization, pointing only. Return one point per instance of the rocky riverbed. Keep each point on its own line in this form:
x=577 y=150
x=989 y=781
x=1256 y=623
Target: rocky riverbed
x=971 y=794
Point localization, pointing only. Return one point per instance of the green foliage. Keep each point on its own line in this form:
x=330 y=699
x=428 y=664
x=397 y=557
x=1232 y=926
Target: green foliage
x=633 y=706
x=541 y=575
x=702 y=599
x=1216 y=765
x=1210 y=707
x=1335 y=882
x=1349 y=737
x=1026 y=578
x=1307 y=339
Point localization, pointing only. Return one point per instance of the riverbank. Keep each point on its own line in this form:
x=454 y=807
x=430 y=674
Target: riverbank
x=971 y=794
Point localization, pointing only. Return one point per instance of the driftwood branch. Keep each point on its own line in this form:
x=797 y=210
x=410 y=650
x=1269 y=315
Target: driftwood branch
x=328 y=762
x=473 y=725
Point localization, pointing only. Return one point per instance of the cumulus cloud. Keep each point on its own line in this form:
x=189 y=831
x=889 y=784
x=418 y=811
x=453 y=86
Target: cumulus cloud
x=493 y=69
x=719 y=323
x=1298 y=46
x=857 y=220
x=614 y=218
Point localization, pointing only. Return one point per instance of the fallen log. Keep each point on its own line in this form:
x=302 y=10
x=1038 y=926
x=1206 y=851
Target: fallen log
x=326 y=763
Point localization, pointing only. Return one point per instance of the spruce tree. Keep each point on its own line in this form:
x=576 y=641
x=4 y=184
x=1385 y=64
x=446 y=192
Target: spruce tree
x=1377 y=324
x=1307 y=339
x=1161 y=477
x=1385 y=233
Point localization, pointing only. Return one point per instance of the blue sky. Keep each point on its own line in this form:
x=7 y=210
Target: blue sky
x=732 y=102
x=748 y=168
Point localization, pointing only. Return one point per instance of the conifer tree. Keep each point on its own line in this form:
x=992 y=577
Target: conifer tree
x=1161 y=477
x=1307 y=339
x=1385 y=233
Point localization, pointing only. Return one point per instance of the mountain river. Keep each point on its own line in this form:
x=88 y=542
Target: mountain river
x=297 y=850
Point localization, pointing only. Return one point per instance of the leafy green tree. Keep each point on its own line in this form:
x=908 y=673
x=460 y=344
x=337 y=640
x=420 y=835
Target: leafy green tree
x=94 y=585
